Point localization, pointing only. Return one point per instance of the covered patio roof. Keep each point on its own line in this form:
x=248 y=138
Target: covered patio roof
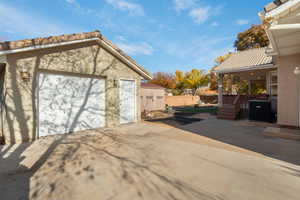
x=249 y=60
x=283 y=27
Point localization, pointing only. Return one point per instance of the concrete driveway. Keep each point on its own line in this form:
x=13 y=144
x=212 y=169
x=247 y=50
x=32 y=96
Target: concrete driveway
x=153 y=161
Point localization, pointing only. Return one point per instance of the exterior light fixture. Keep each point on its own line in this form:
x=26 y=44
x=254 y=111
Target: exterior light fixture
x=297 y=71
x=116 y=83
x=24 y=73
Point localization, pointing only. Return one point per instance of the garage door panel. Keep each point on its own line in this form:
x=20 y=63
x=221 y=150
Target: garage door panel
x=70 y=103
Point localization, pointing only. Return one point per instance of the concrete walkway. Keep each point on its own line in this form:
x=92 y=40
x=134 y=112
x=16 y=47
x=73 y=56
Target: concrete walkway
x=206 y=160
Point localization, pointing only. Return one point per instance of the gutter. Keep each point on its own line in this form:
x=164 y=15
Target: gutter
x=132 y=65
x=285 y=27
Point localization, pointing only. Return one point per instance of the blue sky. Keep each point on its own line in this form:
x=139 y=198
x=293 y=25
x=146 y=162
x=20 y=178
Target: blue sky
x=162 y=35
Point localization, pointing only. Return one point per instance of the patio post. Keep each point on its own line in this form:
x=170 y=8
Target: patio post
x=249 y=88
x=220 y=89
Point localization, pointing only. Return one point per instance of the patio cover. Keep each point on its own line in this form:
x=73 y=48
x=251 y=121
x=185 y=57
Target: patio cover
x=248 y=60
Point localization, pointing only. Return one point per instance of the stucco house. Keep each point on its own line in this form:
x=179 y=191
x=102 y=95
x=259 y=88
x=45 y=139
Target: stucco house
x=152 y=97
x=278 y=65
x=64 y=84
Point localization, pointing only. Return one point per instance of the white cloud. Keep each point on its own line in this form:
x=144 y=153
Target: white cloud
x=198 y=11
x=120 y=38
x=136 y=49
x=200 y=15
x=71 y=1
x=17 y=21
x=132 y=8
x=215 y=24
x=183 y=4
x=242 y=22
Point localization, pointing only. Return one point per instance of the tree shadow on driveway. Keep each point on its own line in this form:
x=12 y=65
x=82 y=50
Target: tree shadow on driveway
x=81 y=163
x=247 y=137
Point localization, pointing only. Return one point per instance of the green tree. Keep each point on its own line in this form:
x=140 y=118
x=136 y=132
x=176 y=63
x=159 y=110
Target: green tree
x=219 y=60
x=254 y=37
x=166 y=80
x=195 y=79
x=180 y=81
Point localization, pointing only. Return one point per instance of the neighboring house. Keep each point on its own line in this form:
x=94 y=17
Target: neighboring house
x=276 y=65
x=64 y=84
x=152 y=97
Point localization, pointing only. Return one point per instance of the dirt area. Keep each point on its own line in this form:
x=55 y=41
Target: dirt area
x=146 y=161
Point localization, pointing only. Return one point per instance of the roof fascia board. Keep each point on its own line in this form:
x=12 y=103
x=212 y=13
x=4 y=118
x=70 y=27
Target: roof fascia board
x=244 y=69
x=123 y=58
x=45 y=46
x=282 y=8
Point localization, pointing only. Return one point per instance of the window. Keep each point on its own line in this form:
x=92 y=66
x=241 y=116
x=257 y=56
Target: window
x=149 y=97
x=159 y=97
x=273 y=83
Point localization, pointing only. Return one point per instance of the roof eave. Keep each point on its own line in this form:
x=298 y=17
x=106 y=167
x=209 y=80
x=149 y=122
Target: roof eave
x=248 y=68
x=279 y=10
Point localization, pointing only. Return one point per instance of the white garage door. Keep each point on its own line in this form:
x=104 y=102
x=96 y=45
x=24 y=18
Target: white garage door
x=69 y=103
x=127 y=101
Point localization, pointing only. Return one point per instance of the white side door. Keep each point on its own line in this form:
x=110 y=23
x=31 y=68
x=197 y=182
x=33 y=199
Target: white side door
x=70 y=103
x=127 y=101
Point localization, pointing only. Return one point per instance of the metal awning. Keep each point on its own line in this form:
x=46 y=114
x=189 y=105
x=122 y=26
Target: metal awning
x=249 y=60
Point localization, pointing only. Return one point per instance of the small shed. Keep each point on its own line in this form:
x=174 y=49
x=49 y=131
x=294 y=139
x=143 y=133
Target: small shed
x=152 y=97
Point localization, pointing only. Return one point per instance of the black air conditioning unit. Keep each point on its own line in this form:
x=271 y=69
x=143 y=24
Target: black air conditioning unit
x=260 y=110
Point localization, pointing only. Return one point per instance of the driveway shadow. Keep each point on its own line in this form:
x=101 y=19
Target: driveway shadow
x=247 y=137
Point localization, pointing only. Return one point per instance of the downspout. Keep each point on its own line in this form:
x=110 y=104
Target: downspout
x=297 y=73
x=2 y=106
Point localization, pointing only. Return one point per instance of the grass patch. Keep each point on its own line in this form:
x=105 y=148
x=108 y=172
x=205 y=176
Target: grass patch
x=191 y=109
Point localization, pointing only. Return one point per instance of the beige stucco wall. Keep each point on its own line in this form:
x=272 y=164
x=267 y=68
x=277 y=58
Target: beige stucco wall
x=85 y=59
x=288 y=90
x=182 y=100
x=155 y=103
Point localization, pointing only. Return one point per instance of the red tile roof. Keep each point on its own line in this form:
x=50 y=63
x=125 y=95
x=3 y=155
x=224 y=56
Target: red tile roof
x=19 y=44
x=12 y=45
x=151 y=85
